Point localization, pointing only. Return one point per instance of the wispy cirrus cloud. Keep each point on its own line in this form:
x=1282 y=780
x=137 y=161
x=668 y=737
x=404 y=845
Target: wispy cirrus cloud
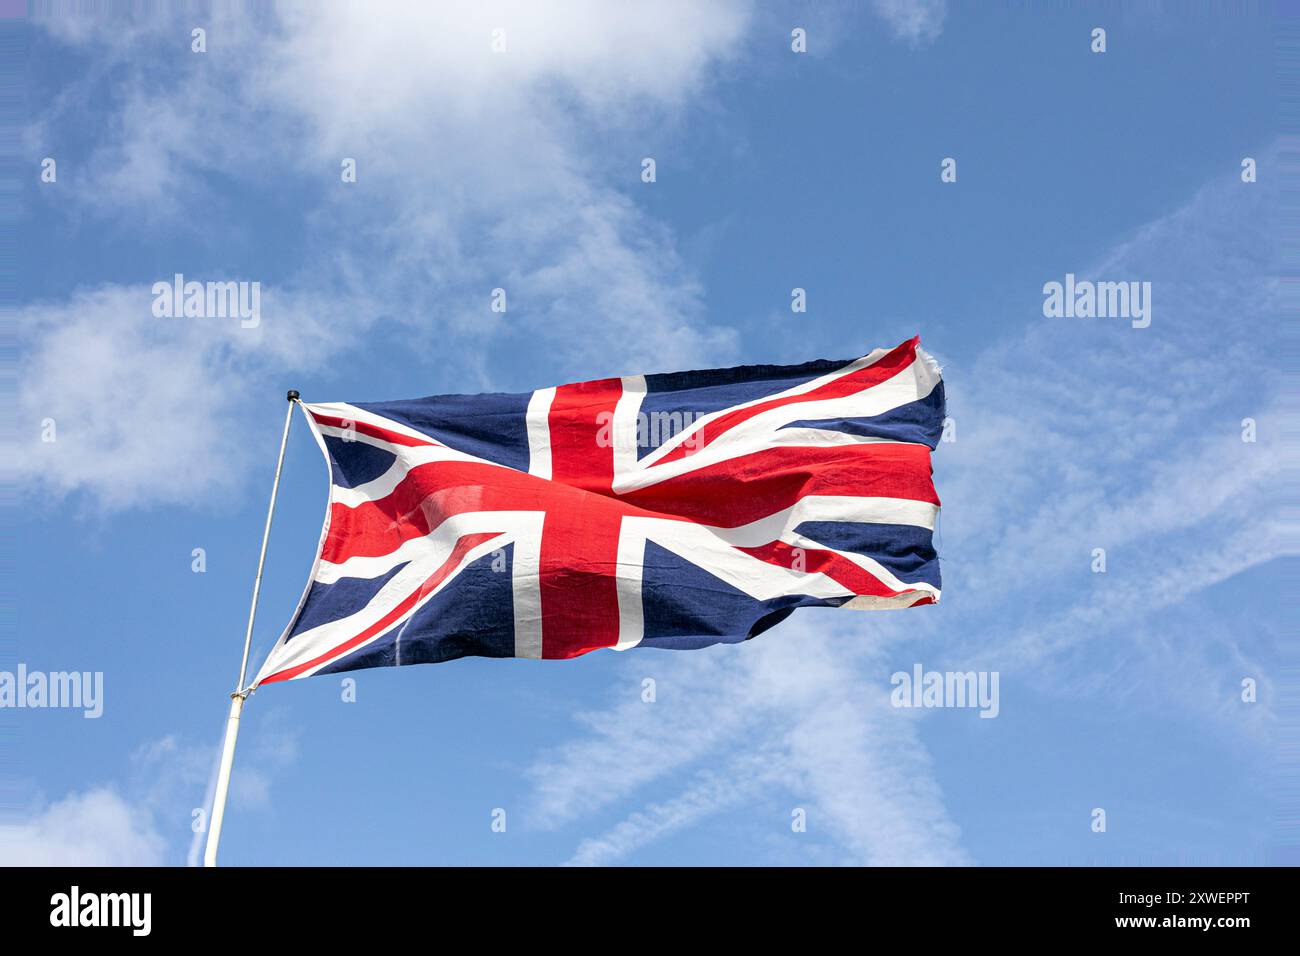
x=478 y=170
x=493 y=142
x=792 y=714
x=1098 y=435
x=709 y=792
x=483 y=137
x=1071 y=435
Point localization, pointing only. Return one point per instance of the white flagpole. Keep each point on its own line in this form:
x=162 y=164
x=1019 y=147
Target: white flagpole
x=237 y=698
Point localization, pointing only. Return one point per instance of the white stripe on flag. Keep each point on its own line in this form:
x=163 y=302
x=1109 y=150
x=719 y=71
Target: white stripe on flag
x=539 y=432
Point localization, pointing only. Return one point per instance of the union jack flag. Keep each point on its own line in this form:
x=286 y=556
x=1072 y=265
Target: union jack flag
x=675 y=510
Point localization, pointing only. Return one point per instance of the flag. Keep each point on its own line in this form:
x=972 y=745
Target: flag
x=670 y=510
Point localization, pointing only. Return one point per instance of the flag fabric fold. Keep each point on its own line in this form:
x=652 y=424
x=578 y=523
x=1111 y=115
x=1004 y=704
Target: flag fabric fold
x=672 y=510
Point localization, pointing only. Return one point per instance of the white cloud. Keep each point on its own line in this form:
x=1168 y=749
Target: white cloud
x=1071 y=435
x=174 y=777
x=439 y=63
x=148 y=410
x=794 y=714
x=1097 y=435
x=143 y=820
x=95 y=828
x=710 y=792
x=916 y=21
x=475 y=170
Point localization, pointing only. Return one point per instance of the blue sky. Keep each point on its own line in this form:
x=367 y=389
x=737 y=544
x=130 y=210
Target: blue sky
x=775 y=170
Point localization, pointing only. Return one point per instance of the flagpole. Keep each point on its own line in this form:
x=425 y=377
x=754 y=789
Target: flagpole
x=237 y=698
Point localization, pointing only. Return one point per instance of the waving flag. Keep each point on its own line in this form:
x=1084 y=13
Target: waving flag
x=677 y=511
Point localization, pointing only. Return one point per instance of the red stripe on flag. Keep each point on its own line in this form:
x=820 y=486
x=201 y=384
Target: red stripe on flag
x=579 y=587
x=427 y=496
x=883 y=369
x=749 y=487
x=374 y=431
x=836 y=567
x=728 y=494
x=463 y=546
x=581 y=425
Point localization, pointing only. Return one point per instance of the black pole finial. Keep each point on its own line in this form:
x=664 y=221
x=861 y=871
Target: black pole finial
x=293 y=395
